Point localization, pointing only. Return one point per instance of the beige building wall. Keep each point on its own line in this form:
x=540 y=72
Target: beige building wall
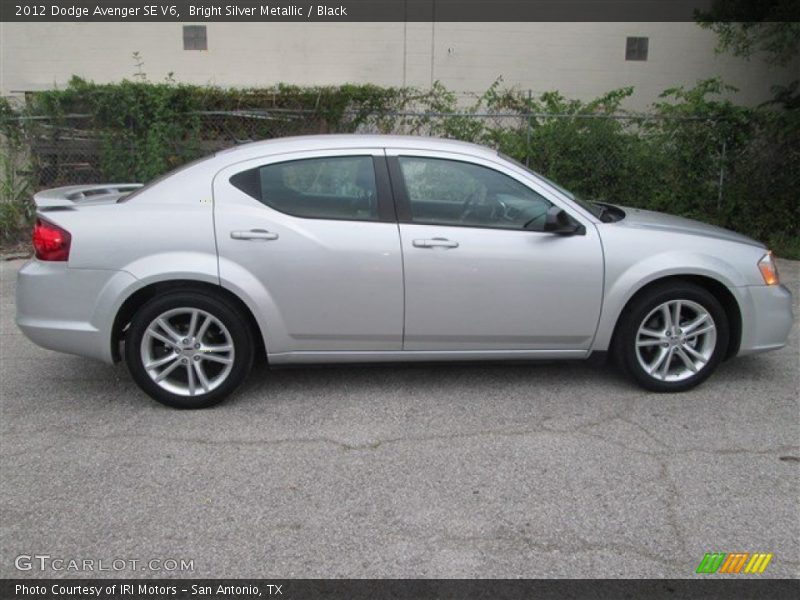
x=582 y=60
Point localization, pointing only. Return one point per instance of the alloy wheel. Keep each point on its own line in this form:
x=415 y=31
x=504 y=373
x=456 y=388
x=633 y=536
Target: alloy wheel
x=676 y=340
x=187 y=351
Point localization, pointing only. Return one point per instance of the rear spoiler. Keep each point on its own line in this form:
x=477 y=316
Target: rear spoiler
x=73 y=195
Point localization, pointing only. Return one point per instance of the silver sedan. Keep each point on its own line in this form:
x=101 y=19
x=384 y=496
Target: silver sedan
x=336 y=249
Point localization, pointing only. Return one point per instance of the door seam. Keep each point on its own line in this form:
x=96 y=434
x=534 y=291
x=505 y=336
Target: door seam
x=402 y=251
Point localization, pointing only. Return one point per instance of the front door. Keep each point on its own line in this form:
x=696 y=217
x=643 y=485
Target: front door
x=480 y=272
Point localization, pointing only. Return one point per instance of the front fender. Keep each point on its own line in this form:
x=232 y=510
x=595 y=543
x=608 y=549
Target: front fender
x=624 y=280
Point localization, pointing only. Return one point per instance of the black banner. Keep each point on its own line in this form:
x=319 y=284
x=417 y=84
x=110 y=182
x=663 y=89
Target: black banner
x=739 y=587
x=350 y=10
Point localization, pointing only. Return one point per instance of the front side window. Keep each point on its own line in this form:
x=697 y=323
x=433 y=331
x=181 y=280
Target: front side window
x=449 y=192
x=340 y=187
x=589 y=207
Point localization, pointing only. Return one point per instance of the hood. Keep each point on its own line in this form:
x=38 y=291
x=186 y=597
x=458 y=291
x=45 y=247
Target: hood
x=648 y=219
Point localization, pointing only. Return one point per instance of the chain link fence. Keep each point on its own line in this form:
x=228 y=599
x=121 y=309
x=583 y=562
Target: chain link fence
x=710 y=169
x=70 y=150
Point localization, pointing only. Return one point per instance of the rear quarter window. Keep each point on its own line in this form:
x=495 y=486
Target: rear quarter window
x=341 y=187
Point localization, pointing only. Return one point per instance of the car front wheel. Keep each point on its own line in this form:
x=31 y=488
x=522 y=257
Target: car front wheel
x=188 y=349
x=672 y=337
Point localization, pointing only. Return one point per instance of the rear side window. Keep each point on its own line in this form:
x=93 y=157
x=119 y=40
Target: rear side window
x=340 y=187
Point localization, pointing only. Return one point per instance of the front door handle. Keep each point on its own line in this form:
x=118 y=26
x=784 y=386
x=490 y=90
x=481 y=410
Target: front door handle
x=436 y=242
x=254 y=234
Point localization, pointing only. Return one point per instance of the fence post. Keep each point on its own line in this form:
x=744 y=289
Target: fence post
x=528 y=133
x=721 y=175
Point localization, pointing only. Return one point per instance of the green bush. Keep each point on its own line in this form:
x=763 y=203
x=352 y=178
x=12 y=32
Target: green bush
x=693 y=154
x=16 y=208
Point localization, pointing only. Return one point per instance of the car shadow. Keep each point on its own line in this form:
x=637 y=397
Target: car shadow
x=414 y=378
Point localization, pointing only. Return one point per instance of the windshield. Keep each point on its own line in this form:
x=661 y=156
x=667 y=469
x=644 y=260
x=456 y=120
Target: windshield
x=591 y=207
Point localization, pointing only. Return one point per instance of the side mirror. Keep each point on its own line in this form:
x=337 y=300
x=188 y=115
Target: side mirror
x=560 y=223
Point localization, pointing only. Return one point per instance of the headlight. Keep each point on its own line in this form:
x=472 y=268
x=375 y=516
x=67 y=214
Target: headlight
x=769 y=270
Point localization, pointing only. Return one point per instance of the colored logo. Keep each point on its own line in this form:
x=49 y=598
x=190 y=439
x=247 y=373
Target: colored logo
x=734 y=562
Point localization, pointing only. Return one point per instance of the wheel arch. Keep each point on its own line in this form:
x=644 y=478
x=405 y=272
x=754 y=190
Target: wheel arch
x=142 y=295
x=718 y=289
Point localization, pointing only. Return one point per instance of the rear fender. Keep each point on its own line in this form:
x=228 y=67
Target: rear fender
x=257 y=298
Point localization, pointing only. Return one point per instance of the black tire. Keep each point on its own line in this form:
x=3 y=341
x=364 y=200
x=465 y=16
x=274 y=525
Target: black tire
x=221 y=310
x=625 y=339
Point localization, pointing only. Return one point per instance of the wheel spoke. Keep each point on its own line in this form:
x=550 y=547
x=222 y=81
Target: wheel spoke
x=695 y=353
x=686 y=360
x=193 y=323
x=695 y=324
x=661 y=356
x=167 y=371
x=644 y=343
x=676 y=313
x=161 y=361
x=201 y=376
x=665 y=313
x=190 y=378
x=705 y=329
x=665 y=367
x=168 y=328
x=651 y=333
x=214 y=358
x=203 y=328
x=151 y=331
x=217 y=348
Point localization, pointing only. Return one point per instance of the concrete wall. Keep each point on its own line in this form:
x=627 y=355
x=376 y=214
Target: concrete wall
x=582 y=60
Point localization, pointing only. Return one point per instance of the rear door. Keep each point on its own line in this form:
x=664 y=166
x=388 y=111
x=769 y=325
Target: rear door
x=314 y=237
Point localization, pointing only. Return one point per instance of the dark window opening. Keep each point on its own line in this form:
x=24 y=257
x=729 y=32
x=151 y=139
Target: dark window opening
x=455 y=193
x=336 y=187
x=636 y=48
x=194 y=37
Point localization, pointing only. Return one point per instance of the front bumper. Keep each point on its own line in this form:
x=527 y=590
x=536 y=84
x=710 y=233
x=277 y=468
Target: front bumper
x=70 y=310
x=766 y=317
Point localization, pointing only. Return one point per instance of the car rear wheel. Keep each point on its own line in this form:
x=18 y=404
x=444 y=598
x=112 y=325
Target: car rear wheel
x=188 y=349
x=672 y=337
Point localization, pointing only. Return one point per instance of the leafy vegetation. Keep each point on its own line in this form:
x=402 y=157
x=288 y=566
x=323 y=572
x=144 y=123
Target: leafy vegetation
x=16 y=208
x=746 y=27
x=694 y=153
x=769 y=29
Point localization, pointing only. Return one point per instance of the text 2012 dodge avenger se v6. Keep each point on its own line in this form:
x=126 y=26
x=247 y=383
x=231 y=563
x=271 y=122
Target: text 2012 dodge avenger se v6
x=382 y=248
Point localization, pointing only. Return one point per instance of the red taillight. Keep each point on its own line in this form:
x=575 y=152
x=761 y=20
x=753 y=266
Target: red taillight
x=50 y=241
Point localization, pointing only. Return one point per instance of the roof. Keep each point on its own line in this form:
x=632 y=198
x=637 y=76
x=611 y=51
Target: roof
x=337 y=141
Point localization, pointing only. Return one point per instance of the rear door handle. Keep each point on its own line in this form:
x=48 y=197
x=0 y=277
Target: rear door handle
x=254 y=234
x=436 y=242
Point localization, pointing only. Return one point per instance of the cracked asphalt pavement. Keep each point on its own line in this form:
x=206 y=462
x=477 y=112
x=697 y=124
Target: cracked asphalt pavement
x=537 y=470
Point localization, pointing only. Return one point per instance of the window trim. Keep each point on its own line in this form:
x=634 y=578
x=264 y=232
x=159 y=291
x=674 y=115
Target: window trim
x=403 y=201
x=386 y=205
